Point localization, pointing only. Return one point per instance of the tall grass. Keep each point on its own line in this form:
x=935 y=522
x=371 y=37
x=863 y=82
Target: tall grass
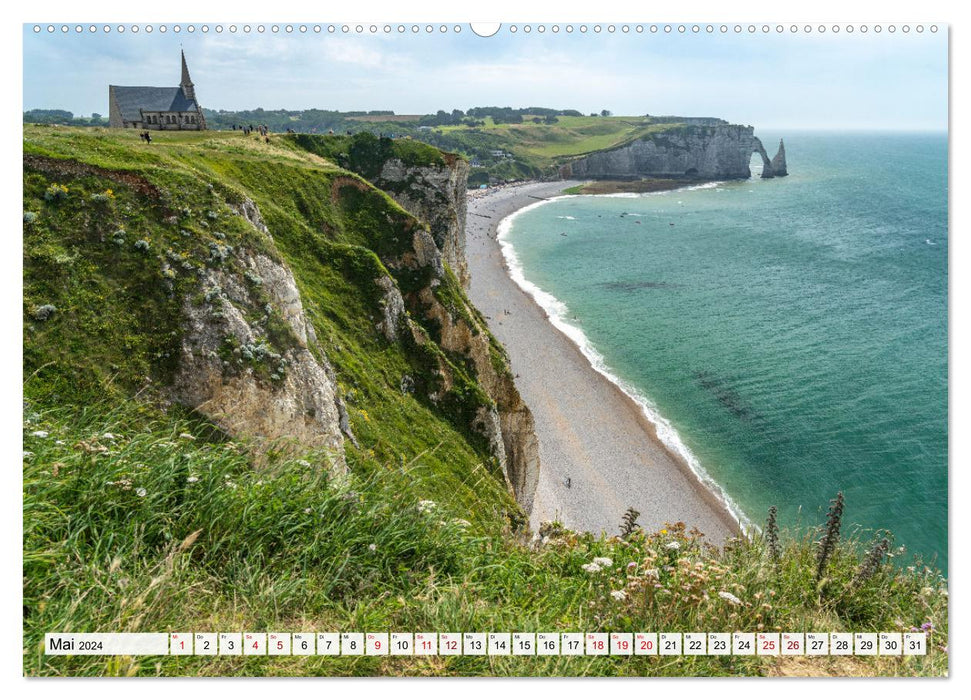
x=138 y=520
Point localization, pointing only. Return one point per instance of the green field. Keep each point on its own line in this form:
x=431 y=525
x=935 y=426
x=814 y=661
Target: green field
x=544 y=144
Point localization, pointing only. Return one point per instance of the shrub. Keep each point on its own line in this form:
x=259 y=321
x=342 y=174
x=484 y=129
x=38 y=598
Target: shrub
x=55 y=193
x=42 y=313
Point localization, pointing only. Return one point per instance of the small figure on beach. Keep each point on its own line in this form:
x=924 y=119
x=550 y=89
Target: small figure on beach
x=568 y=482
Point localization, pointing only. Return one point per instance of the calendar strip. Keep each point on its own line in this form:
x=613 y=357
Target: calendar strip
x=488 y=644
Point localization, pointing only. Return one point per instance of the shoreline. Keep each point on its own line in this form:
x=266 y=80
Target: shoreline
x=590 y=471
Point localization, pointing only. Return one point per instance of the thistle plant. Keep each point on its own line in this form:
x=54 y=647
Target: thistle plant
x=831 y=537
x=873 y=560
x=629 y=523
x=772 y=534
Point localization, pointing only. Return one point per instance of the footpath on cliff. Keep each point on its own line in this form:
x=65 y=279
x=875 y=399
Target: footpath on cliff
x=599 y=454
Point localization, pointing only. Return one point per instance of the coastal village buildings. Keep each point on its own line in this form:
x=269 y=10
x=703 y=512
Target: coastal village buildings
x=157 y=108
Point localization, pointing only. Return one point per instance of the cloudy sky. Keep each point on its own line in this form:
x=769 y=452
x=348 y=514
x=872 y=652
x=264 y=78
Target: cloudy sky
x=829 y=81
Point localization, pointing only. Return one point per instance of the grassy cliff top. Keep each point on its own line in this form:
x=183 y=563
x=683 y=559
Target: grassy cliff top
x=568 y=137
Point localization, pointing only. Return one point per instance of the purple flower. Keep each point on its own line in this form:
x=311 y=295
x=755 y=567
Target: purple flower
x=927 y=627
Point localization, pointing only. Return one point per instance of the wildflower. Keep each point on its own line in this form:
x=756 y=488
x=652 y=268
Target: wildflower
x=618 y=595
x=40 y=433
x=459 y=522
x=192 y=479
x=631 y=565
x=828 y=543
x=591 y=568
x=725 y=595
x=230 y=485
x=373 y=547
x=772 y=534
x=629 y=524
x=303 y=463
x=30 y=217
x=59 y=442
x=55 y=193
x=142 y=245
x=308 y=511
x=603 y=561
x=28 y=454
x=663 y=532
x=927 y=627
x=653 y=573
x=108 y=436
x=140 y=492
x=426 y=506
x=873 y=559
x=673 y=546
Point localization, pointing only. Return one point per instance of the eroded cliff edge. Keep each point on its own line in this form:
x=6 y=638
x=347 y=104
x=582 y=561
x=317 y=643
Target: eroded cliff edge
x=284 y=298
x=436 y=195
x=692 y=151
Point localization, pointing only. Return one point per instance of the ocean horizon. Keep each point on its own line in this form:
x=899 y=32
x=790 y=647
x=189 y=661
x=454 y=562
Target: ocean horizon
x=787 y=337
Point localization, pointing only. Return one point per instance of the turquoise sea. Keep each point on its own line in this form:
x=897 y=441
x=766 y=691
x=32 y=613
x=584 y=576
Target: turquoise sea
x=792 y=332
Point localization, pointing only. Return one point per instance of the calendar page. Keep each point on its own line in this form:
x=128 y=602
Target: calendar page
x=438 y=348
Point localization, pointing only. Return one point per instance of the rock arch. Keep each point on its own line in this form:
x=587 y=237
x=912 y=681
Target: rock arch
x=775 y=167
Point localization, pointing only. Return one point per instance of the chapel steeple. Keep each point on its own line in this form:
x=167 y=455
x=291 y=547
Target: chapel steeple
x=188 y=89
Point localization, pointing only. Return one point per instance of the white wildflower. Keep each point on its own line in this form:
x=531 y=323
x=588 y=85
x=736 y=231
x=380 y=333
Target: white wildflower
x=192 y=479
x=591 y=568
x=673 y=545
x=426 y=506
x=108 y=436
x=373 y=547
x=140 y=492
x=653 y=573
x=303 y=463
x=308 y=511
x=618 y=595
x=230 y=485
x=731 y=598
x=40 y=433
x=459 y=522
x=28 y=454
x=603 y=561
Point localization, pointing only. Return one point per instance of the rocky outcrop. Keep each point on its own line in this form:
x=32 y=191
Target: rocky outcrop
x=449 y=320
x=508 y=426
x=246 y=358
x=435 y=195
x=716 y=152
x=779 y=167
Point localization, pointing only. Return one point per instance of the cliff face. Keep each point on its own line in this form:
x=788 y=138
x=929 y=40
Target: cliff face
x=435 y=194
x=273 y=392
x=716 y=152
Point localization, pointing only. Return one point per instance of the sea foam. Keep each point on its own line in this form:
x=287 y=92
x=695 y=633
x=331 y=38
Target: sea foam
x=558 y=313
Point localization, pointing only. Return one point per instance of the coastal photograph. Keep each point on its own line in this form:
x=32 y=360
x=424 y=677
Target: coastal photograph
x=549 y=350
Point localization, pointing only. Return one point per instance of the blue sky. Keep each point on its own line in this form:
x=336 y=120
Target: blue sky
x=844 y=81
